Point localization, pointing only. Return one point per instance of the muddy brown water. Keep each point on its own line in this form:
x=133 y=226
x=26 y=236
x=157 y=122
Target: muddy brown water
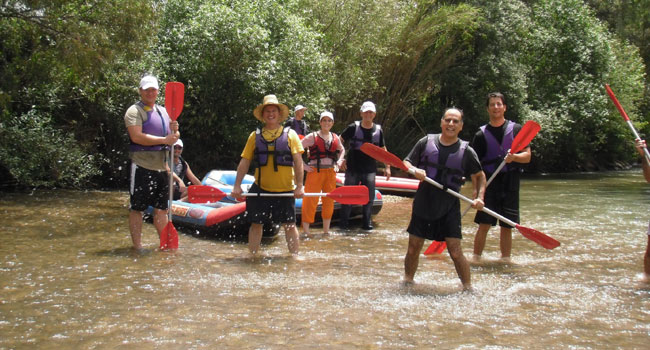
x=69 y=280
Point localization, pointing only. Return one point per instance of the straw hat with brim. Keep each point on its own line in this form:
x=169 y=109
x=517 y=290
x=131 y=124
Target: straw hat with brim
x=272 y=101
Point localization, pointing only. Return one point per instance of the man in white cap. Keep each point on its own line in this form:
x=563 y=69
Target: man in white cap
x=277 y=152
x=359 y=167
x=297 y=123
x=151 y=132
x=183 y=174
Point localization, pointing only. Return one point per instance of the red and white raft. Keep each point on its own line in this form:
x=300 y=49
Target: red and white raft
x=401 y=186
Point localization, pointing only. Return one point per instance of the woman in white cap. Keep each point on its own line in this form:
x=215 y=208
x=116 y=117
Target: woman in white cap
x=326 y=152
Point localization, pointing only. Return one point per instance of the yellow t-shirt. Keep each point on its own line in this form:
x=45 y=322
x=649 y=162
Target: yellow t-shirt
x=272 y=181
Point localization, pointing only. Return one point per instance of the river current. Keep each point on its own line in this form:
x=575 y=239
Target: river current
x=69 y=280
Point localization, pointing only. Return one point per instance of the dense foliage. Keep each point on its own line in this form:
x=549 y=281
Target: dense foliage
x=69 y=69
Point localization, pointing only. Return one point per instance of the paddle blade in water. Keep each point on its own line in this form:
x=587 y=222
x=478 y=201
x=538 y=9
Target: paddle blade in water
x=172 y=236
x=538 y=237
x=383 y=156
x=525 y=135
x=436 y=248
x=164 y=236
x=174 y=97
x=204 y=194
x=350 y=195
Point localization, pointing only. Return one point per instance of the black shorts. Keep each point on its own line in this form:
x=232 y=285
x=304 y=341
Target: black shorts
x=436 y=230
x=148 y=188
x=270 y=210
x=505 y=203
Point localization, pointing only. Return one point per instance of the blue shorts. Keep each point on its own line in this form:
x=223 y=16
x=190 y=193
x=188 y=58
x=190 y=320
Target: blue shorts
x=148 y=188
x=270 y=210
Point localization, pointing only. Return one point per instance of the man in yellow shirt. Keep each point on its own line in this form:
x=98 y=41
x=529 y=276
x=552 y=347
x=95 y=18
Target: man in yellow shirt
x=277 y=152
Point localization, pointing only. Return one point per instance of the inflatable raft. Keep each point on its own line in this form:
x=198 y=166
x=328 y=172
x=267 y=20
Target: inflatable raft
x=226 y=219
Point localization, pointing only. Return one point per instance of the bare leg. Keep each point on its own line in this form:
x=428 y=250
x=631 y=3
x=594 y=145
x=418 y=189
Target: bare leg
x=479 y=239
x=135 y=226
x=646 y=261
x=326 y=226
x=461 y=264
x=292 y=237
x=412 y=258
x=505 y=242
x=255 y=238
x=305 y=228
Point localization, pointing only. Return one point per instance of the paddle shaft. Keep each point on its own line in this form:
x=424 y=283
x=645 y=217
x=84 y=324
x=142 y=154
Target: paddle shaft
x=637 y=137
x=460 y=196
x=171 y=183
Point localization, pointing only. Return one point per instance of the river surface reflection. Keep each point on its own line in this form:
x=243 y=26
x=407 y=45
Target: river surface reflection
x=68 y=279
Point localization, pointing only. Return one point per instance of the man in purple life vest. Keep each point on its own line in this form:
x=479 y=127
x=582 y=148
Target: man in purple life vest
x=436 y=214
x=151 y=131
x=277 y=153
x=359 y=167
x=492 y=143
x=296 y=123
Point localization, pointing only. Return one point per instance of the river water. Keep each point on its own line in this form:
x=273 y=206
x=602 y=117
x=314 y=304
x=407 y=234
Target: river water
x=69 y=280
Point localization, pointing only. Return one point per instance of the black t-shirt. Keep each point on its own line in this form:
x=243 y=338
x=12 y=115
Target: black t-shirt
x=357 y=161
x=503 y=181
x=430 y=202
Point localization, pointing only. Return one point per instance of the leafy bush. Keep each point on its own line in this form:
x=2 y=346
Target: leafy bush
x=37 y=154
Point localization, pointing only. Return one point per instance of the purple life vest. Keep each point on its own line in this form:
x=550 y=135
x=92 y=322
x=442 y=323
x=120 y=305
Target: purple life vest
x=281 y=154
x=298 y=126
x=496 y=152
x=358 y=140
x=451 y=173
x=157 y=124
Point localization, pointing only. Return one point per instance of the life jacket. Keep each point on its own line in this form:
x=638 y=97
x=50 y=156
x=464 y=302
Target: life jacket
x=299 y=126
x=496 y=152
x=281 y=153
x=451 y=173
x=358 y=139
x=180 y=169
x=319 y=151
x=156 y=124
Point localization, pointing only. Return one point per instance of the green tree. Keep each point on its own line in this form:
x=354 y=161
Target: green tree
x=230 y=54
x=57 y=64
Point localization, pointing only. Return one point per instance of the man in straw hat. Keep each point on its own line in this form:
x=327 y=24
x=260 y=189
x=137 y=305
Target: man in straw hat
x=277 y=152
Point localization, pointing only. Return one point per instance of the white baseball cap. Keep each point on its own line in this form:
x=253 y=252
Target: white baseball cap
x=326 y=114
x=148 y=81
x=179 y=143
x=299 y=107
x=368 y=106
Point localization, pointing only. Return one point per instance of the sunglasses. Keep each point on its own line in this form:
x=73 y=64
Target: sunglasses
x=178 y=147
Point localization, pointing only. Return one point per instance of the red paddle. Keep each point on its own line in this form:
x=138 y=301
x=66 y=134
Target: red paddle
x=174 y=95
x=343 y=195
x=625 y=117
x=386 y=157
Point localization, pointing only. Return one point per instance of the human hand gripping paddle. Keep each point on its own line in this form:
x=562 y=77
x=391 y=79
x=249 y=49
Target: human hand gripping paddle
x=626 y=118
x=386 y=157
x=343 y=195
x=521 y=141
x=174 y=96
